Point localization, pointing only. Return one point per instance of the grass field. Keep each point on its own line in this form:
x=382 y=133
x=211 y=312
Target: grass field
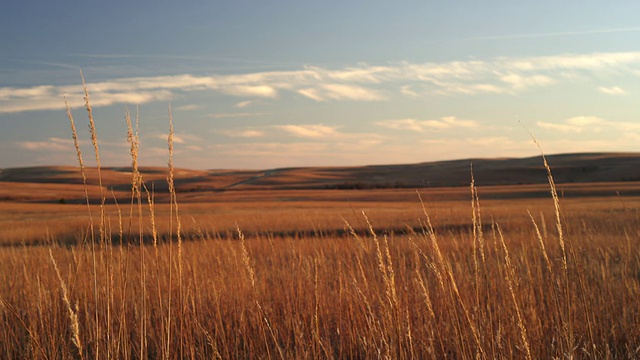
x=302 y=284
x=249 y=266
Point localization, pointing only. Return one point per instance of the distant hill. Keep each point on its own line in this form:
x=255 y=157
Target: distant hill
x=566 y=168
x=17 y=183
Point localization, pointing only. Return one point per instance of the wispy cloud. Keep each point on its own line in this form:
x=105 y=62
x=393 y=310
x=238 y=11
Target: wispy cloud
x=250 y=91
x=231 y=115
x=53 y=99
x=243 y=133
x=243 y=104
x=189 y=107
x=59 y=144
x=8 y=93
x=522 y=82
x=561 y=127
x=570 y=62
x=615 y=90
x=341 y=92
x=318 y=133
x=310 y=131
x=579 y=124
x=447 y=122
x=51 y=144
x=554 y=34
x=179 y=138
x=504 y=75
x=407 y=90
x=576 y=124
x=585 y=120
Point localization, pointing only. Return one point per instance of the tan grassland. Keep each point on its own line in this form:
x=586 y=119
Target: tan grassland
x=317 y=291
x=139 y=271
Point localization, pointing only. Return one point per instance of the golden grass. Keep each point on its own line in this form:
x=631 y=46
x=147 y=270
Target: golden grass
x=331 y=296
x=408 y=276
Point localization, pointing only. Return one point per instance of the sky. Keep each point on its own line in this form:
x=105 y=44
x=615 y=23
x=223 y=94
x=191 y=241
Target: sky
x=267 y=84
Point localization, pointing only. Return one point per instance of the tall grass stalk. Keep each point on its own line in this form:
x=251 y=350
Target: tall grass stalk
x=73 y=314
x=88 y=201
x=568 y=317
x=263 y=320
x=393 y=313
x=444 y=268
x=174 y=211
x=477 y=234
x=510 y=277
x=154 y=235
x=136 y=197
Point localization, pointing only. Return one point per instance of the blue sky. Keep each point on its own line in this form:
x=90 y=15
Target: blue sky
x=263 y=84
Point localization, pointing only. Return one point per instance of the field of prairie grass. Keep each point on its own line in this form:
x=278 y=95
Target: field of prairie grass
x=321 y=279
x=455 y=273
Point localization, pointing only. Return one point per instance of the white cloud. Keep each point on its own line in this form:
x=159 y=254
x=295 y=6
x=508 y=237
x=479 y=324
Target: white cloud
x=189 y=107
x=245 y=90
x=452 y=121
x=596 y=61
x=468 y=89
x=355 y=83
x=311 y=94
x=244 y=133
x=243 y=104
x=406 y=90
x=179 y=138
x=51 y=144
x=309 y=131
x=552 y=34
x=350 y=92
x=363 y=74
x=584 y=120
x=446 y=122
x=402 y=124
x=231 y=115
x=31 y=92
x=627 y=126
x=593 y=124
x=56 y=101
x=566 y=128
x=340 y=92
x=615 y=90
x=522 y=82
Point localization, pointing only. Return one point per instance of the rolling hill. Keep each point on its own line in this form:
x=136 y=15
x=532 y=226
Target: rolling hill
x=54 y=182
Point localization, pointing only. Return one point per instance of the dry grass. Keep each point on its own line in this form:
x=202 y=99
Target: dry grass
x=335 y=297
x=320 y=297
x=407 y=278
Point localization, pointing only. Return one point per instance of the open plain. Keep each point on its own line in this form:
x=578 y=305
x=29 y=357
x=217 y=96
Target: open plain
x=370 y=262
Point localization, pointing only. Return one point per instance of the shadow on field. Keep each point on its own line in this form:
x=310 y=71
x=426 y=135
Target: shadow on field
x=71 y=240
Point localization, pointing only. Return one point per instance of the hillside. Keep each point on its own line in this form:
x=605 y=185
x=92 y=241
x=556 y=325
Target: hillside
x=51 y=183
x=566 y=168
